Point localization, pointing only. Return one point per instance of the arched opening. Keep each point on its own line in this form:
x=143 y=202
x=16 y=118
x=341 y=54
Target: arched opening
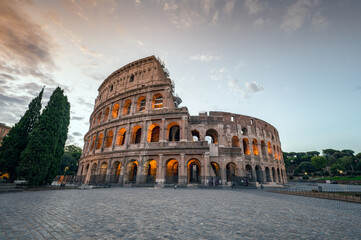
x=246 y=149
x=235 y=142
x=171 y=175
x=153 y=133
x=258 y=174
x=132 y=169
x=173 y=132
x=255 y=147
x=115 y=110
x=212 y=136
x=279 y=153
x=100 y=140
x=274 y=175
x=269 y=148
x=121 y=137
x=141 y=104
x=106 y=114
x=94 y=121
x=136 y=134
x=99 y=118
x=157 y=101
x=249 y=173
x=279 y=175
x=102 y=173
x=126 y=107
x=84 y=174
x=215 y=175
x=115 y=172
x=263 y=148
x=195 y=135
x=275 y=152
x=150 y=171
x=268 y=175
x=231 y=172
x=93 y=143
x=194 y=171
x=93 y=174
x=283 y=176
x=109 y=139
x=244 y=131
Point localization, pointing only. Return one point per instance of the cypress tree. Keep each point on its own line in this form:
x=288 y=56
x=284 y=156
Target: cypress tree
x=17 y=139
x=41 y=158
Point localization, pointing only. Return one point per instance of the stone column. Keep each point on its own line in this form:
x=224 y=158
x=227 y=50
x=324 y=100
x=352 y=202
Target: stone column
x=160 y=171
x=121 y=176
x=140 y=173
x=182 y=175
x=183 y=133
x=144 y=133
x=95 y=143
x=128 y=134
x=104 y=139
x=133 y=106
x=115 y=135
x=148 y=102
x=224 y=175
x=206 y=169
x=162 y=137
x=107 y=177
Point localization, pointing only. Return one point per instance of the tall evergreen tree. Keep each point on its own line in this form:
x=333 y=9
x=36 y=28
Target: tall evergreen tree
x=17 y=139
x=41 y=158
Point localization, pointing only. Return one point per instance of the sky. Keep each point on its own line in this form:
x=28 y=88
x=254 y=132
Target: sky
x=295 y=64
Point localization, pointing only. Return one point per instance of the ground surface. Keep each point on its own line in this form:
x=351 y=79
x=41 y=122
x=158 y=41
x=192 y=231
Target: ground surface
x=140 y=213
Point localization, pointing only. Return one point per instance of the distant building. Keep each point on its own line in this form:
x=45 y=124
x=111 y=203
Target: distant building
x=139 y=135
x=3 y=131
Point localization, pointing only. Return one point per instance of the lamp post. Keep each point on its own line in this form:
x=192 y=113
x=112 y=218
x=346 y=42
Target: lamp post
x=61 y=184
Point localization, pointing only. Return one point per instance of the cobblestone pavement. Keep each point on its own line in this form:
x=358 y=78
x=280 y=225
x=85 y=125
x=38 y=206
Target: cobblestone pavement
x=141 y=213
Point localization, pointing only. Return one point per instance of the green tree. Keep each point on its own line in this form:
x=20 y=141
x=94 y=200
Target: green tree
x=70 y=159
x=17 y=139
x=319 y=162
x=336 y=168
x=305 y=167
x=41 y=159
x=313 y=153
x=346 y=162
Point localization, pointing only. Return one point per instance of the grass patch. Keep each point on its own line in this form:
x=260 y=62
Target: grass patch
x=355 y=178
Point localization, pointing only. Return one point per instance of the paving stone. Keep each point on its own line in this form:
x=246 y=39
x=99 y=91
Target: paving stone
x=146 y=213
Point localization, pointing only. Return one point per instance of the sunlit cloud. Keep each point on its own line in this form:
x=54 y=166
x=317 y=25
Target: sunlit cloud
x=247 y=89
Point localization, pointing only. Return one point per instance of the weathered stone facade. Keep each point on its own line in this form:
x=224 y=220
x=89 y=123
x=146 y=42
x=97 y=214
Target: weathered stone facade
x=4 y=130
x=138 y=135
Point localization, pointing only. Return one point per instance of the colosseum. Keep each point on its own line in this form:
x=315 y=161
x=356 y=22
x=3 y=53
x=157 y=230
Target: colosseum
x=140 y=136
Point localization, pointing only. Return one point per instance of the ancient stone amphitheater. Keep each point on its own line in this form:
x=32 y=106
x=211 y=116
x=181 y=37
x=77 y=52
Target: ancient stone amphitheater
x=140 y=136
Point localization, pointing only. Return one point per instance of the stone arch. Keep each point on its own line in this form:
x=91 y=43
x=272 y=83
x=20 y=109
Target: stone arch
x=93 y=174
x=93 y=143
x=255 y=147
x=157 y=101
x=171 y=171
x=274 y=174
x=194 y=171
x=115 y=110
x=231 y=170
x=100 y=140
x=249 y=173
x=85 y=170
x=246 y=149
x=216 y=169
x=153 y=133
x=136 y=134
x=109 y=139
x=132 y=169
x=213 y=134
x=195 y=135
x=263 y=148
x=173 y=132
x=121 y=137
x=115 y=172
x=106 y=114
x=235 y=141
x=150 y=171
x=99 y=118
x=275 y=152
x=102 y=172
x=126 y=107
x=258 y=171
x=244 y=131
x=141 y=104
x=269 y=148
x=268 y=175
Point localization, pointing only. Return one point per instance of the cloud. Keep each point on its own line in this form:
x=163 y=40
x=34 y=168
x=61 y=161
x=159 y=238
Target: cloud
x=22 y=40
x=204 y=57
x=228 y=7
x=220 y=74
x=254 y=6
x=302 y=12
x=86 y=103
x=253 y=87
x=77 y=118
x=247 y=90
x=77 y=134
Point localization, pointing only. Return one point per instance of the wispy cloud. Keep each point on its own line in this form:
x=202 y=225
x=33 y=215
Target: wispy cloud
x=254 y=6
x=301 y=12
x=247 y=89
x=204 y=57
